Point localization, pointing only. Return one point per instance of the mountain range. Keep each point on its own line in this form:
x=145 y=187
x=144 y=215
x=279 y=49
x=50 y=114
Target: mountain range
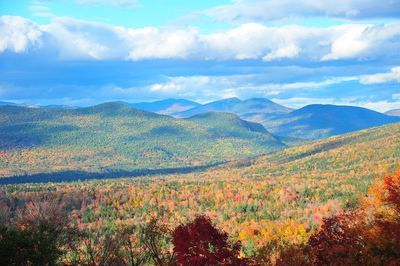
x=311 y=122
x=320 y=121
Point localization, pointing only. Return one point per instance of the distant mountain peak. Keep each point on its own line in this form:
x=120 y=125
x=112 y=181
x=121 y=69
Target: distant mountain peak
x=245 y=109
x=394 y=112
x=167 y=106
x=231 y=99
x=317 y=121
x=113 y=108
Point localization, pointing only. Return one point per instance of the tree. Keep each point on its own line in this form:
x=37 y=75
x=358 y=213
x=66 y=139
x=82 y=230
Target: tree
x=154 y=240
x=340 y=240
x=368 y=235
x=200 y=243
x=40 y=236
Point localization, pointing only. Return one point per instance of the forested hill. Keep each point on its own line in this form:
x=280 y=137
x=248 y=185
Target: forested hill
x=115 y=137
x=360 y=156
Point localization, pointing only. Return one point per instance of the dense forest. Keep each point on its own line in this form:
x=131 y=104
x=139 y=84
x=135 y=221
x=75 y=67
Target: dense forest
x=54 y=227
x=286 y=205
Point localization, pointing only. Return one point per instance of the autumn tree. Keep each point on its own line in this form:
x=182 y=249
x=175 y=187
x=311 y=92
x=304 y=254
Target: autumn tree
x=154 y=238
x=40 y=235
x=340 y=240
x=200 y=243
x=367 y=235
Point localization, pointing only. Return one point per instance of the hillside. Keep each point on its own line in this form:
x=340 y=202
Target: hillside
x=166 y=107
x=116 y=138
x=367 y=153
x=245 y=109
x=320 y=121
x=394 y=112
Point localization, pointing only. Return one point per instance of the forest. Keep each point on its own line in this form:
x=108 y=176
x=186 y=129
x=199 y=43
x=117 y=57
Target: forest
x=72 y=227
x=304 y=204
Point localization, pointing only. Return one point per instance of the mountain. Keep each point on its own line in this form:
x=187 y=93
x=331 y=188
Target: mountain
x=7 y=103
x=245 y=109
x=320 y=121
x=56 y=106
x=310 y=122
x=394 y=112
x=114 y=137
x=166 y=107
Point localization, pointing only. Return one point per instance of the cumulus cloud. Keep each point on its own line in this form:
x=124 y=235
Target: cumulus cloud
x=392 y=76
x=18 y=34
x=74 y=39
x=363 y=41
x=289 y=51
x=83 y=39
x=270 y=10
x=151 y=42
x=205 y=88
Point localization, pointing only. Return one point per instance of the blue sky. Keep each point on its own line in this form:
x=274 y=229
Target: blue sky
x=83 y=52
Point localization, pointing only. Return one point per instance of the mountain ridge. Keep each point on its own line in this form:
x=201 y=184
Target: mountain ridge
x=117 y=137
x=318 y=121
x=394 y=112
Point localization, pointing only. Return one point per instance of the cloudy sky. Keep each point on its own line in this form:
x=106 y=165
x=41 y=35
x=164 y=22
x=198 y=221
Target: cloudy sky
x=82 y=52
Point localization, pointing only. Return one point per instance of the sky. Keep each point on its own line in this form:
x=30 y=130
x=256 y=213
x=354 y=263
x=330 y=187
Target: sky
x=84 y=52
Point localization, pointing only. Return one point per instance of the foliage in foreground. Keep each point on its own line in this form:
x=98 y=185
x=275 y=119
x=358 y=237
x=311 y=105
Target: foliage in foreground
x=43 y=234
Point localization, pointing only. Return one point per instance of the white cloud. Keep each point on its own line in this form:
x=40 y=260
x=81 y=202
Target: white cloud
x=212 y=87
x=18 y=34
x=380 y=106
x=152 y=43
x=80 y=39
x=39 y=7
x=270 y=10
x=298 y=102
x=120 y=3
x=165 y=87
x=348 y=43
x=73 y=39
x=392 y=76
x=363 y=41
x=289 y=51
x=275 y=89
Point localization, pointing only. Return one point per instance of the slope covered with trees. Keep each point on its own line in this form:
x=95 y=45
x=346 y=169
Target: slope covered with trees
x=115 y=137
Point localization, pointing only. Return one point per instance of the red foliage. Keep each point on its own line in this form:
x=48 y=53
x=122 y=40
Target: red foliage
x=386 y=240
x=369 y=235
x=200 y=243
x=339 y=241
x=392 y=186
